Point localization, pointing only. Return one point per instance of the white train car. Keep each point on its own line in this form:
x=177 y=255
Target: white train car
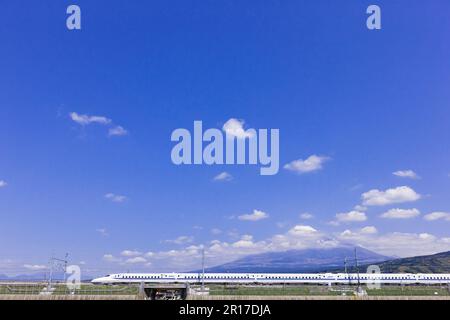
x=274 y=278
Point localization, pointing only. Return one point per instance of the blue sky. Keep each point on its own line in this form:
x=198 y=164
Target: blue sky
x=366 y=103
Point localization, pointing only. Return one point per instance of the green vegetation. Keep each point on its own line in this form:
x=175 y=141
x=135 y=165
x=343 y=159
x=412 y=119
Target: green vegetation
x=410 y=291
x=98 y=290
x=272 y=291
x=60 y=289
x=327 y=291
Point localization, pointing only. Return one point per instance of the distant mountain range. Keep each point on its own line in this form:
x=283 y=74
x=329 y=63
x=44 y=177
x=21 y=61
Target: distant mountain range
x=39 y=276
x=436 y=263
x=308 y=260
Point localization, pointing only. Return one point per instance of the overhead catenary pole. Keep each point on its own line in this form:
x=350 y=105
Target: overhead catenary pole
x=50 y=273
x=346 y=271
x=53 y=264
x=357 y=269
x=203 y=269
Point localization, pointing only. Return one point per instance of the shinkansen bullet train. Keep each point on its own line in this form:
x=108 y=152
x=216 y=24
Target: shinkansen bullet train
x=275 y=278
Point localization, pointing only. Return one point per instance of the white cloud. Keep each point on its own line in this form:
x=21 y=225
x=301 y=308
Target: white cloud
x=398 y=244
x=110 y=258
x=347 y=233
x=301 y=230
x=233 y=234
x=426 y=236
x=245 y=242
x=369 y=230
x=437 y=216
x=224 y=176
x=401 y=214
x=103 y=232
x=306 y=216
x=84 y=119
x=298 y=237
x=235 y=128
x=115 y=197
x=255 y=216
x=3 y=183
x=406 y=174
x=130 y=253
x=402 y=194
x=117 y=131
x=35 y=267
x=313 y=163
x=352 y=216
x=181 y=240
x=136 y=260
x=360 y=208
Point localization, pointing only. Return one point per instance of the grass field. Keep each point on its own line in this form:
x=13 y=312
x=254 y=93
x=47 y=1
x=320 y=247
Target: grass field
x=325 y=291
x=59 y=289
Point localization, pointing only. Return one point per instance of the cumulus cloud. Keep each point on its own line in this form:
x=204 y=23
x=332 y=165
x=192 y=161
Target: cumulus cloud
x=406 y=174
x=136 y=260
x=397 y=243
x=439 y=215
x=84 y=119
x=369 y=230
x=301 y=230
x=35 y=267
x=352 y=216
x=117 y=131
x=360 y=208
x=347 y=233
x=235 y=128
x=217 y=252
x=130 y=253
x=245 y=242
x=306 y=216
x=313 y=163
x=255 y=216
x=401 y=214
x=116 y=198
x=223 y=176
x=110 y=258
x=298 y=237
x=3 y=183
x=181 y=240
x=402 y=194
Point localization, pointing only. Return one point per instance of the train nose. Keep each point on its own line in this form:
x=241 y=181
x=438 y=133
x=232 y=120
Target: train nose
x=99 y=280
